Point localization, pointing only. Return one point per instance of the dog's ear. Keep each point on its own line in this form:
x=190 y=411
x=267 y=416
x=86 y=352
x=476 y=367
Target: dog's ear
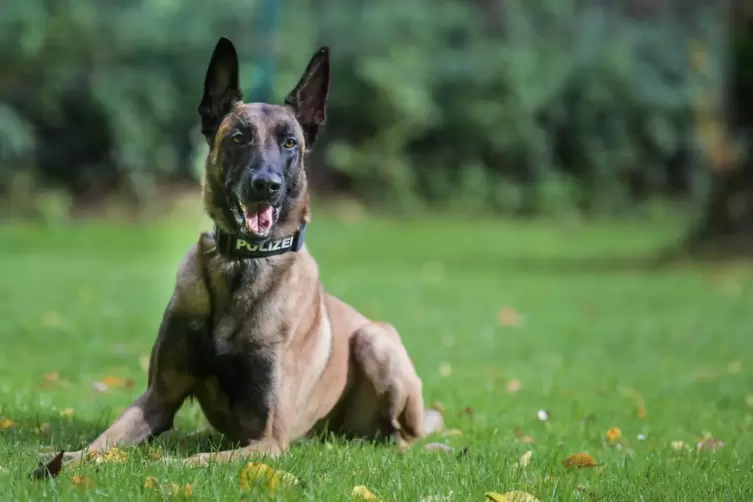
x=221 y=87
x=308 y=99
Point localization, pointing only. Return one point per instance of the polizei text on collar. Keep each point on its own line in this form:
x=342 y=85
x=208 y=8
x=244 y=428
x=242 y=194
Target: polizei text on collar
x=266 y=246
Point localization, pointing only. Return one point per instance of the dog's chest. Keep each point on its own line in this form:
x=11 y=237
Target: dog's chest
x=238 y=368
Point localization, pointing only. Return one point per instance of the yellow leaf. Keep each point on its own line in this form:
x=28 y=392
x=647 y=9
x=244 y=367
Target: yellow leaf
x=525 y=459
x=43 y=428
x=262 y=474
x=514 y=496
x=6 y=423
x=579 y=460
x=361 y=492
x=150 y=483
x=82 y=481
x=114 y=382
x=66 y=412
x=513 y=386
x=613 y=434
x=113 y=455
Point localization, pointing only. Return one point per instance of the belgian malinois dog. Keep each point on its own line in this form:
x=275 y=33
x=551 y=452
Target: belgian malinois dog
x=249 y=331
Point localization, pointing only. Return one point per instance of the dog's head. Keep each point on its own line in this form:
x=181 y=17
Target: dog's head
x=255 y=184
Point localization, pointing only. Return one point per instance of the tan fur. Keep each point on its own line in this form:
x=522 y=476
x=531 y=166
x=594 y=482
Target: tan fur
x=267 y=353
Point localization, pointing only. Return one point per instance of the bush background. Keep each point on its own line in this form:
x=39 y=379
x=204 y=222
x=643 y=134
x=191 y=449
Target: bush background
x=500 y=106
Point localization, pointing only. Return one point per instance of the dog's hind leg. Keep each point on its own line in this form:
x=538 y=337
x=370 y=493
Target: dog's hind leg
x=392 y=390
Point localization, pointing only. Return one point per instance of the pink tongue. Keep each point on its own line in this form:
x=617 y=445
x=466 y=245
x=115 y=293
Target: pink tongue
x=261 y=220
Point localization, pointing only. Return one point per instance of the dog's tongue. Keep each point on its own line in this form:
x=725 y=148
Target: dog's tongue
x=259 y=218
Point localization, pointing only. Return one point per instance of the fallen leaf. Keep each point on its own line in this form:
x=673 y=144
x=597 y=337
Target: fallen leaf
x=514 y=496
x=113 y=455
x=52 y=376
x=361 y=492
x=677 y=445
x=43 y=429
x=176 y=490
x=523 y=438
x=144 y=362
x=542 y=415
x=100 y=387
x=67 y=412
x=82 y=481
x=445 y=369
x=710 y=444
x=50 y=470
x=150 y=483
x=513 y=386
x=260 y=474
x=613 y=434
x=579 y=460
x=440 y=407
x=525 y=459
x=439 y=447
x=6 y=423
x=734 y=367
x=453 y=433
x=468 y=411
x=508 y=317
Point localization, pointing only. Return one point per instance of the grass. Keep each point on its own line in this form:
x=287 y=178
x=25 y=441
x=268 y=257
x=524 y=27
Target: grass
x=593 y=339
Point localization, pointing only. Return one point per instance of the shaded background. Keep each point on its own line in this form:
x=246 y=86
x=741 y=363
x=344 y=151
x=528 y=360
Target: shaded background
x=512 y=108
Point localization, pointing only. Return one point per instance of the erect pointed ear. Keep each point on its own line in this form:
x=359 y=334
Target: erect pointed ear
x=221 y=88
x=308 y=99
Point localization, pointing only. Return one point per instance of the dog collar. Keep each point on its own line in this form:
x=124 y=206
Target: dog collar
x=235 y=246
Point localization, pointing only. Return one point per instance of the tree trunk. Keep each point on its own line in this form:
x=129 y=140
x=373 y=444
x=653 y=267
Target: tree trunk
x=726 y=226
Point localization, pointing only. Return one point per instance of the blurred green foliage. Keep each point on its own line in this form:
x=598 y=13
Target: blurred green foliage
x=503 y=105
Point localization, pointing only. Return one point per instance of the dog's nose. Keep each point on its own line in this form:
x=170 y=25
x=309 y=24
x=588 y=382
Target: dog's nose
x=266 y=184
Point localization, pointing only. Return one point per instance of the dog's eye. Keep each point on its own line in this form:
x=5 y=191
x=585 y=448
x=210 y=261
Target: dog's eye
x=289 y=143
x=237 y=138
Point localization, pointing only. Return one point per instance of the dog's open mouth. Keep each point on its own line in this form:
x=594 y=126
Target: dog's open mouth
x=259 y=218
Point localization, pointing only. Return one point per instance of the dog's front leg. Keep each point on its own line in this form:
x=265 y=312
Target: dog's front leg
x=147 y=416
x=268 y=447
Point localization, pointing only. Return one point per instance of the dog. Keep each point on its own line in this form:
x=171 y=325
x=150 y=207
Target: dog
x=249 y=331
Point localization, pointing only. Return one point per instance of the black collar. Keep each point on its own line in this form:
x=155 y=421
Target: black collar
x=235 y=246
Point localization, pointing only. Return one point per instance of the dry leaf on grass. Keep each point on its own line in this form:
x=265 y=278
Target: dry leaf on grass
x=513 y=386
x=113 y=382
x=113 y=456
x=509 y=317
x=363 y=493
x=254 y=474
x=43 y=429
x=82 y=481
x=50 y=470
x=514 y=496
x=523 y=438
x=6 y=423
x=525 y=459
x=613 y=434
x=579 y=460
x=169 y=489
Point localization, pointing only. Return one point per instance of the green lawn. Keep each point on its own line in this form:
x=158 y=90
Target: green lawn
x=586 y=335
